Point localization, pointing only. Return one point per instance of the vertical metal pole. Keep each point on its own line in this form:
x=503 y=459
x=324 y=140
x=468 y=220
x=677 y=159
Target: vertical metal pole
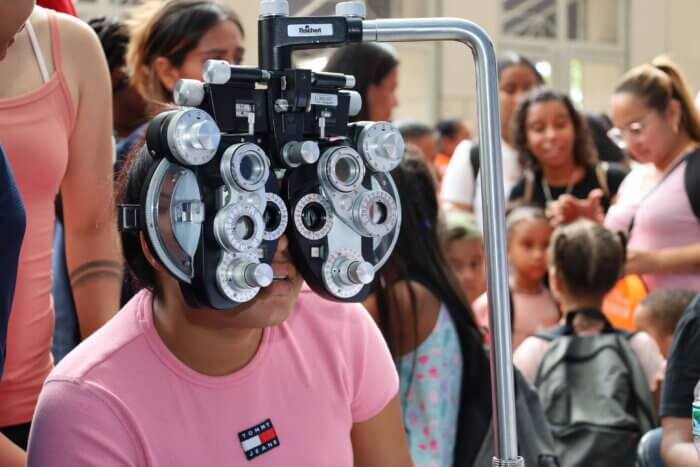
x=472 y=35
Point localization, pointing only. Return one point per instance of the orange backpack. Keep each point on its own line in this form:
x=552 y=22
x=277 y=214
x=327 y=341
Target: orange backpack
x=619 y=304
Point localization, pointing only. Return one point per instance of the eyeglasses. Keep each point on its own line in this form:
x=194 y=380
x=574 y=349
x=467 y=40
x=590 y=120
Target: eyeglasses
x=634 y=130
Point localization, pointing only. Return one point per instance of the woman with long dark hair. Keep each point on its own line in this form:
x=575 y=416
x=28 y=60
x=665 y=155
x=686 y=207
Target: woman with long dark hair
x=431 y=332
x=375 y=68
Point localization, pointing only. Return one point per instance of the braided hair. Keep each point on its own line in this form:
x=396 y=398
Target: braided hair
x=114 y=37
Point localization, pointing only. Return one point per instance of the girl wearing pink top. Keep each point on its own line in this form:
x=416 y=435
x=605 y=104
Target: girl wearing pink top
x=656 y=119
x=534 y=309
x=285 y=379
x=55 y=125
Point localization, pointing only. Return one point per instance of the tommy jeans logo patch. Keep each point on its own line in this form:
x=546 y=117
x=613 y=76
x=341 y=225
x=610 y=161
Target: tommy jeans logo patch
x=259 y=439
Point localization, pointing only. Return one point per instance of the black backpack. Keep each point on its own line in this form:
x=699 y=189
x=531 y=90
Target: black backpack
x=595 y=395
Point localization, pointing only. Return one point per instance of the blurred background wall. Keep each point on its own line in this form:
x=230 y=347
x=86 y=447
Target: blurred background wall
x=581 y=46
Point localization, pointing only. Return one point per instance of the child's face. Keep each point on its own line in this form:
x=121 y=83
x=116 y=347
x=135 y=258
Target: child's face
x=466 y=257
x=527 y=250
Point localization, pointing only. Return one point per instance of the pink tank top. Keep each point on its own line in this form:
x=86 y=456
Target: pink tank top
x=35 y=130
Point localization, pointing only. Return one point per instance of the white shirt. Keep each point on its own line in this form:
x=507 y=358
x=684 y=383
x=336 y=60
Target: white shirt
x=459 y=185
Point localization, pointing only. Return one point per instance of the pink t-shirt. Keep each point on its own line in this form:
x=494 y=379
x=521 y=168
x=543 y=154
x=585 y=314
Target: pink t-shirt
x=123 y=399
x=533 y=313
x=664 y=219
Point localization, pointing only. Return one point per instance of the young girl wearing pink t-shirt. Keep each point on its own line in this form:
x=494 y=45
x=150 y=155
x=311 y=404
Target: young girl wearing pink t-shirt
x=534 y=308
x=285 y=379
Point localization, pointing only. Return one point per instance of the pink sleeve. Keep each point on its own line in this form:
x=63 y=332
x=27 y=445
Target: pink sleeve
x=528 y=357
x=649 y=356
x=375 y=381
x=481 y=311
x=74 y=424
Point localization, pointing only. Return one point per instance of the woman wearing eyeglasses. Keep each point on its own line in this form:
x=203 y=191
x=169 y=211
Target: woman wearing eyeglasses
x=659 y=203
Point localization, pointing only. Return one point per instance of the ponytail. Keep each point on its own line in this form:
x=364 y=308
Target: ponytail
x=690 y=118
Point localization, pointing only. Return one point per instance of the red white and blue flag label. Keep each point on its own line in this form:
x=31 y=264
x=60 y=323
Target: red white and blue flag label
x=259 y=439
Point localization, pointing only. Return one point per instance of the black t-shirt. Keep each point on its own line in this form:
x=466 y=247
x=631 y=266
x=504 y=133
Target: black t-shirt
x=683 y=365
x=615 y=173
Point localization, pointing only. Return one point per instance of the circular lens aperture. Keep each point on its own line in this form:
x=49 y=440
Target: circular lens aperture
x=239 y=227
x=275 y=217
x=313 y=217
x=341 y=168
x=245 y=166
x=375 y=213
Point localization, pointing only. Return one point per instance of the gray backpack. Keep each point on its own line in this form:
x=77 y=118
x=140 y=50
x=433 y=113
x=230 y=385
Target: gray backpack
x=595 y=396
x=535 y=442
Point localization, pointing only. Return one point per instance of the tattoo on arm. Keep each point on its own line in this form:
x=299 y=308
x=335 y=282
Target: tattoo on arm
x=95 y=269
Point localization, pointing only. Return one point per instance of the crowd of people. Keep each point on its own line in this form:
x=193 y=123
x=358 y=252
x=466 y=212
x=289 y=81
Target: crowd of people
x=604 y=372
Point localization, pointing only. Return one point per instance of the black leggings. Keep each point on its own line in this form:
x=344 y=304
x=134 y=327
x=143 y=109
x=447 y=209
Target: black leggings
x=18 y=434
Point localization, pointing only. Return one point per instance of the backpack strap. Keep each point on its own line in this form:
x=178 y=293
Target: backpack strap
x=601 y=172
x=552 y=333
x=692 y=183
x=475 y=158
x=529 y=186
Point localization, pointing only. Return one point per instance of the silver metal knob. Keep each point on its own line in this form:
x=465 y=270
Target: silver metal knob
x=355 y=102
x=204 y=135
x=298 y=153
x=355 y=8
x=361 y=272
x=258 y=275
x=217 y=72
x=188 y=92
x=274 y=8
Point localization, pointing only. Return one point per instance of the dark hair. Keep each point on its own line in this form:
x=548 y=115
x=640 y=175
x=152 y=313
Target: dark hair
x=418 y=257
x=589 y=258
x=584 y=150
x=665 y=307
x=448 y=127
x=509 y=58
x=656 y=84
x=412 y=129
x=114 y=37
x=169 y=29
x=369 y=63
x=131 y=182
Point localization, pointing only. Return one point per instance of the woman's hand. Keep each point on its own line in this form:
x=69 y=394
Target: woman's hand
x=643 y=261
x=567 y=208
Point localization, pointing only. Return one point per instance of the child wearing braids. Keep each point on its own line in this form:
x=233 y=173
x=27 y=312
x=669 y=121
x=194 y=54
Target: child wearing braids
x=585 y=262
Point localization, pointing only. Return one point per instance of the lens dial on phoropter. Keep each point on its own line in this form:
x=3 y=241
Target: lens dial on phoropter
x=275 y=217
x=341 y=168
x=381 y=145
x=313 y=216
x=375 y=213
x=245 y=166
x=239 y=227
x=193 y=136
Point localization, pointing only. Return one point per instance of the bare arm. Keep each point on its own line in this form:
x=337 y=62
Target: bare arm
x=677 y=449
x=10 y=454
x=381 y=440
x=92 y=245
x=684 y=258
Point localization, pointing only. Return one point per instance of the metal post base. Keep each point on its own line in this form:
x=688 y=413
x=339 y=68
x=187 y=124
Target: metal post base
x=519 y=462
